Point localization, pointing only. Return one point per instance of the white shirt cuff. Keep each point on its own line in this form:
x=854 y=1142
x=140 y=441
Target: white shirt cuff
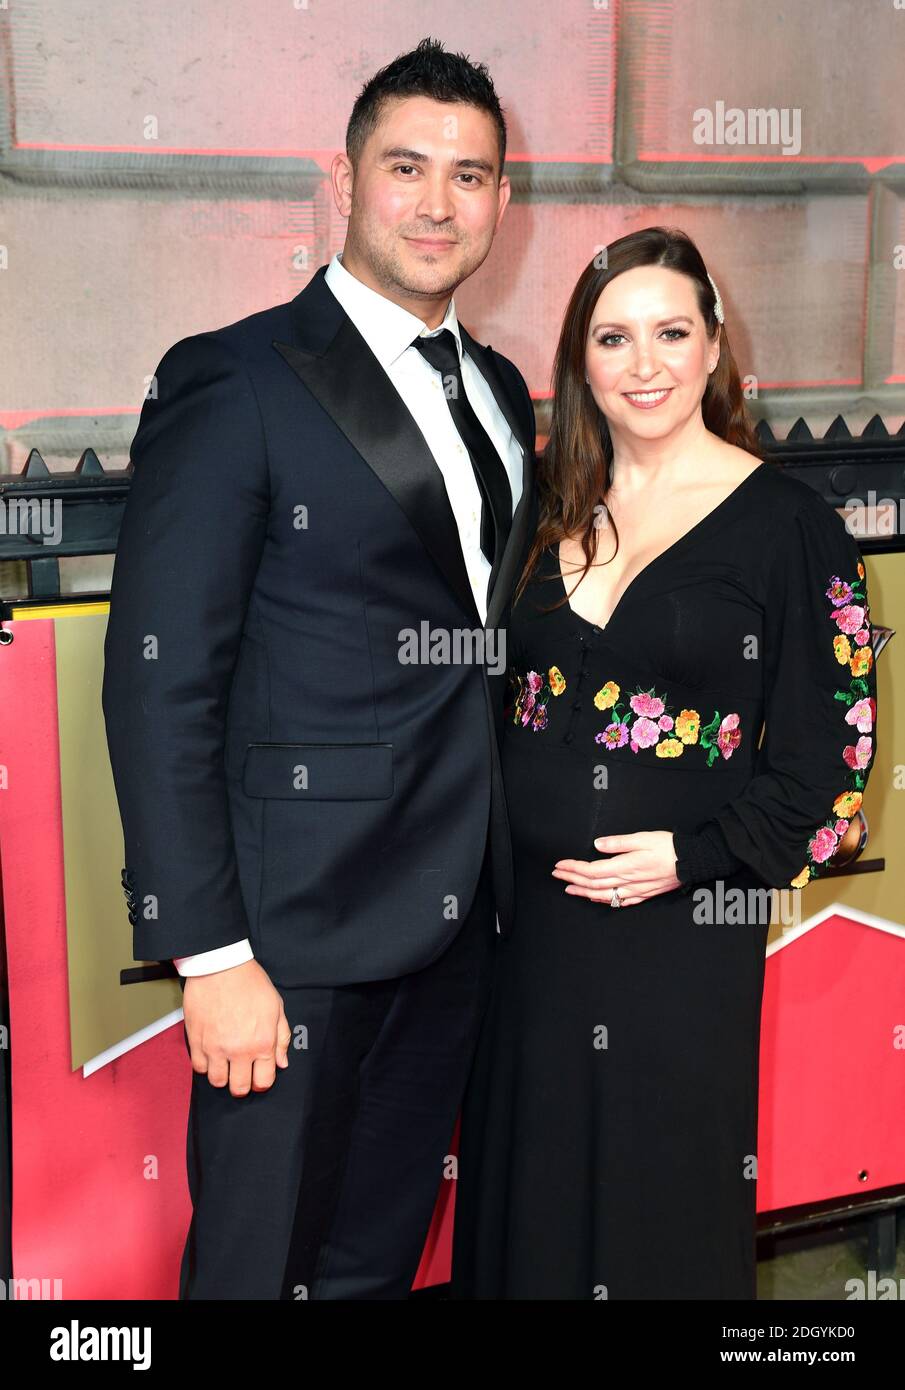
x=221 y=958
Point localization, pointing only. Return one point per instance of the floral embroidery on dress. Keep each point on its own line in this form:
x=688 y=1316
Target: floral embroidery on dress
x=532 y=692
x=852 y=648
x=647 y=723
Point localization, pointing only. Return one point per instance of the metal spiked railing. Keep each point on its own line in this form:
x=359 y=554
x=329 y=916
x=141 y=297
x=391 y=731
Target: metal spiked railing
x=87 y=502
x=90 y=501
x=840 y=466
x=846 y=468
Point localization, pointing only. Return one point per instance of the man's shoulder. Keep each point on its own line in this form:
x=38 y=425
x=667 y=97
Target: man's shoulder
x=249 y=338
x=248 y=335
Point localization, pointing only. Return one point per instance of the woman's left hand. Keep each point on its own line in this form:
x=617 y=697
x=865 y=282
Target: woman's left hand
x=642 y=865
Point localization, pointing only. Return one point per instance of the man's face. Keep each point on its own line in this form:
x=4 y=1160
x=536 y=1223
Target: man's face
x=425 y=202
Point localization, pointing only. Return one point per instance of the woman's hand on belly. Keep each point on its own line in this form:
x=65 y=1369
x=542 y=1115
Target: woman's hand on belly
x=640 y=866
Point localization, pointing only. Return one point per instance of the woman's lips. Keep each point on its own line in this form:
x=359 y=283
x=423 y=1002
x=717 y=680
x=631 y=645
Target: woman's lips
x=648 y=400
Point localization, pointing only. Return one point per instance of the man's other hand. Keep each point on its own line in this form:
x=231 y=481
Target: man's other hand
x=236 y=1027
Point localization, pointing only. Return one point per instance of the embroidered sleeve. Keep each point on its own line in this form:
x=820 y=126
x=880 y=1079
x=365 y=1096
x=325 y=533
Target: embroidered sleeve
x=820 y=705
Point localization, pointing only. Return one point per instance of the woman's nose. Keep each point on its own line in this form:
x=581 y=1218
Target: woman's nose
x=645 y=361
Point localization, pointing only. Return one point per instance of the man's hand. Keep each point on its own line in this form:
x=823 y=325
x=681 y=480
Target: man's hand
x=641 y=865
x=236 y=1028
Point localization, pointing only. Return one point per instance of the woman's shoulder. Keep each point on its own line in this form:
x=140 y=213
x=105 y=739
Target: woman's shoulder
x=770 y=492
x=794 y=502
x=790 y=525
x=806 y=543
x=737 y=462
x=784 y=495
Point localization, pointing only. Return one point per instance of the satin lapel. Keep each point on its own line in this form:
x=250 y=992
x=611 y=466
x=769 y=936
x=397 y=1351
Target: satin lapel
x=510 y=566
x=516 y=546
x=334 y=362
x=487 y=366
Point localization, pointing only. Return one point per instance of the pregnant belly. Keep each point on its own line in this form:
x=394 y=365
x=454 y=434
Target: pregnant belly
x=559 y=800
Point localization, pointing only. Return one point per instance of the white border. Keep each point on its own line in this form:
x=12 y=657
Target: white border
x=867 y=919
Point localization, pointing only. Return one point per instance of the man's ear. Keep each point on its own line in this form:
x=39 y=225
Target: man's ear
x=505 y=193
x=342 y=177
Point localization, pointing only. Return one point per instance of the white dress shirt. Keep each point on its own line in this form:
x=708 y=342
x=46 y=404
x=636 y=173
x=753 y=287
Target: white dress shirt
x=389 y=330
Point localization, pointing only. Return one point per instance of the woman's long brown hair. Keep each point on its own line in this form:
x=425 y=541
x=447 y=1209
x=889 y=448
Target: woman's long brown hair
x=575 y=470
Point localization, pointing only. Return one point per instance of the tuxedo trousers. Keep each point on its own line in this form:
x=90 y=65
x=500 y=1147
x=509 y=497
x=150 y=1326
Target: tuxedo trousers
x=323 y=1186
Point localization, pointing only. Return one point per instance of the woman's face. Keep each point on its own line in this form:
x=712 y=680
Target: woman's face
x=648 y=355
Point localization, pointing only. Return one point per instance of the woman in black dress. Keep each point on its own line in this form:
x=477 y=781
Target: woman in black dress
x=609 y=1131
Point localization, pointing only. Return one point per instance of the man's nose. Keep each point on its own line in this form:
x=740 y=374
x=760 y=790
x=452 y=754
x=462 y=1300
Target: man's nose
x=436 y=200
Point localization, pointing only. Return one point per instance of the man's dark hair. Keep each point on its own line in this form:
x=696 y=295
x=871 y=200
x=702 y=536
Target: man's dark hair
x=428 y=71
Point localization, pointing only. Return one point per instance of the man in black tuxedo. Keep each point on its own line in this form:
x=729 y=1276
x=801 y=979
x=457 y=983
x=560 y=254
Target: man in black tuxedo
x=331 y=503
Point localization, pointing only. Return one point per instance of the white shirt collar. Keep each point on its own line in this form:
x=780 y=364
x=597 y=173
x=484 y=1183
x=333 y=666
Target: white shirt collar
x=386 y=327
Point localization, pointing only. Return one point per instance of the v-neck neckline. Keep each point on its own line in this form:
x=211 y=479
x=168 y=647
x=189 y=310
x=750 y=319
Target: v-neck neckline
x=688 y=535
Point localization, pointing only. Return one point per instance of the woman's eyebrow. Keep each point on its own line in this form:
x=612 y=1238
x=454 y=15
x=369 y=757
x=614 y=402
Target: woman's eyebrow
x=676 y=318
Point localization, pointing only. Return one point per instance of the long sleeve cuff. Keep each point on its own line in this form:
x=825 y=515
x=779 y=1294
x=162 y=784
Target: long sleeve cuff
x=703 y=855
x=220 y=958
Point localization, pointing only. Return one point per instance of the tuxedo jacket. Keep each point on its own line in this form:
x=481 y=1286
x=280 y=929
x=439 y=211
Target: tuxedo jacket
x=281 y=773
